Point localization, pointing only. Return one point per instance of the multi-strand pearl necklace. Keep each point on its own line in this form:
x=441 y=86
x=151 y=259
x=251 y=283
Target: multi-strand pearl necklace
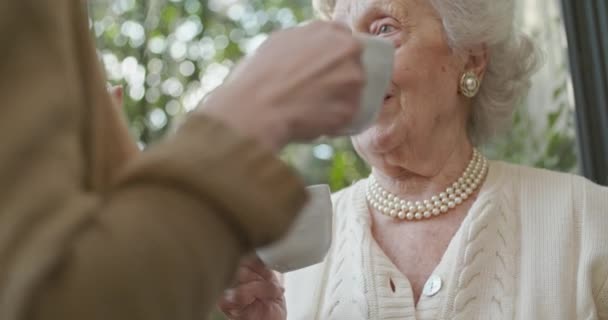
x=394 y=207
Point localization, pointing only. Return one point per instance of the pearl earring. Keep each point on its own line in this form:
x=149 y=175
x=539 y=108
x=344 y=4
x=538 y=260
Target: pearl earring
x=469 y=84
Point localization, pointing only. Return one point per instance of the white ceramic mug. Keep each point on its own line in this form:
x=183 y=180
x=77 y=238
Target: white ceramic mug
x=377 y=60
x=309 y=238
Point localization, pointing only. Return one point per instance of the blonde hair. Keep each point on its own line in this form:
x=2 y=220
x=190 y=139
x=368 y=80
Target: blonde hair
x=513 y=57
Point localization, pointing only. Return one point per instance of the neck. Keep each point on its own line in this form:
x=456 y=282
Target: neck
x=423 y=178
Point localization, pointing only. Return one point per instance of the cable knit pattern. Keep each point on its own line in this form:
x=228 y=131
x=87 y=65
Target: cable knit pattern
x=488 y=266
x=533 y=246
x=346 y=286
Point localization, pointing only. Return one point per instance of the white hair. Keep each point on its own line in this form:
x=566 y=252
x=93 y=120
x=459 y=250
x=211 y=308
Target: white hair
x=512 y=57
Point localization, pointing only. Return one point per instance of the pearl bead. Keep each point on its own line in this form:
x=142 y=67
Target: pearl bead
x=460 y=190
x=471 y=84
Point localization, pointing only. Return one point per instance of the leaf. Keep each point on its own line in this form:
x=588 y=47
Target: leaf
x=337 y=172
x=557 y=92
x=169 y=15
x=552 y=118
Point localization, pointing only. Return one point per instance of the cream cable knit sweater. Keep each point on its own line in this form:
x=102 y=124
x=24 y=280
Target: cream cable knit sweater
x=533 y=246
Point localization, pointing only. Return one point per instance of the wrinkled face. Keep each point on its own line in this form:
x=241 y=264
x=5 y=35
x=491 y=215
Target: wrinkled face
x=423 y=115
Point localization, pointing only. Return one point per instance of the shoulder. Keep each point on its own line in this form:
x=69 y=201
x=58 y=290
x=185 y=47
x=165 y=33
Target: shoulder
x=547 y=185
x=538 y=175
x=558 y=201
x=570 y=211
x=350 y=198
x=349 y=192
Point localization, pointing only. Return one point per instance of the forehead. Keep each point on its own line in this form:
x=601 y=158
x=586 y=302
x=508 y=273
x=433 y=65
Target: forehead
x=349 y=11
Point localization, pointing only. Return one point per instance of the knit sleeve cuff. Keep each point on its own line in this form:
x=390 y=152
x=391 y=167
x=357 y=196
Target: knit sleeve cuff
x=252 y=190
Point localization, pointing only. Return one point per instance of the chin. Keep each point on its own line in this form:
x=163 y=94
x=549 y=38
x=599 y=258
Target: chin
x=378 y=139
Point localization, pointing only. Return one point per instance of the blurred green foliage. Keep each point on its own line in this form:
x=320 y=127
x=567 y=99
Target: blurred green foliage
x=168 y=54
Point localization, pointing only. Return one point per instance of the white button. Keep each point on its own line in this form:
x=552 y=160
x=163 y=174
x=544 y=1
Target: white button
x=432 y=286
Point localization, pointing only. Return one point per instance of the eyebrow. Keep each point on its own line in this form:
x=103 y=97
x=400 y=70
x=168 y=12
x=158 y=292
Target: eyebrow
x=377 y=8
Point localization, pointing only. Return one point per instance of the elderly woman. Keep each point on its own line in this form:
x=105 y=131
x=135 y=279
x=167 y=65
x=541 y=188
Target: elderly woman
x=437 y=231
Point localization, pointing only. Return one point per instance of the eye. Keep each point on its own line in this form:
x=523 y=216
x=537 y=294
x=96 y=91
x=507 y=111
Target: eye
x=385 y=28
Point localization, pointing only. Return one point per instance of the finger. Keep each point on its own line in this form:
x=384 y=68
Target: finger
x=227 y=303
x=248 y=293
x=256 y=266
x=246 y=275
x=252 y=269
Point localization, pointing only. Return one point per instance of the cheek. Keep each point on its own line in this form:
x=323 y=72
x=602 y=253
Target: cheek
x=426 y=80
x=428 y=92
x=423 y=57
x=423 y=71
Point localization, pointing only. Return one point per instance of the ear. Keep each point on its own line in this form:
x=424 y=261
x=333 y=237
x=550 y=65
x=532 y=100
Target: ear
x=477 y=60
